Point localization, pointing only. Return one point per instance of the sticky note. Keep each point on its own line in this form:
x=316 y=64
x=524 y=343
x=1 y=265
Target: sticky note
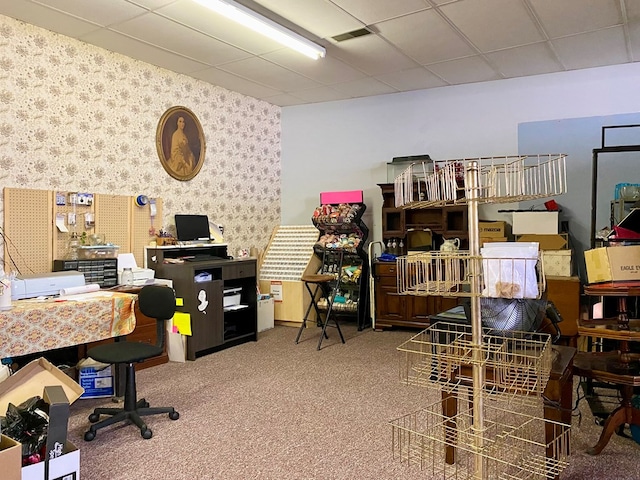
x=179 y=302
x=183 y=322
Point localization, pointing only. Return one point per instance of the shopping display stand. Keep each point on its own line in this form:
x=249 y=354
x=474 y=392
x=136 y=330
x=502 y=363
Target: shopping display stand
x=491 y=382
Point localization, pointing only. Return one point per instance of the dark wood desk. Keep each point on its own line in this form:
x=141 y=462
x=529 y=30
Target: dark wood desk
x=557 y=397
x=620 y=367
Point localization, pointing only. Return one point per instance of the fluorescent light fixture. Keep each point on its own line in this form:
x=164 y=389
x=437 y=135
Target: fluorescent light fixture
x=258 y=23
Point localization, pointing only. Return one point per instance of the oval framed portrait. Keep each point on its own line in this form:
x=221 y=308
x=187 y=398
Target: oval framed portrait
x=180 y=143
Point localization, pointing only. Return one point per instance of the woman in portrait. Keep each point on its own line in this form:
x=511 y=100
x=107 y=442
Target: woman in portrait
x=182 y=160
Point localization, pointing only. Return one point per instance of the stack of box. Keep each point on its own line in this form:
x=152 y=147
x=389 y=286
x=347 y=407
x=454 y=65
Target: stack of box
x=492 y=231
x=542 y=227
x=62 y=458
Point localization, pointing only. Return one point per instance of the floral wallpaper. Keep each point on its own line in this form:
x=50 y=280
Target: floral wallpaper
x=75 y=117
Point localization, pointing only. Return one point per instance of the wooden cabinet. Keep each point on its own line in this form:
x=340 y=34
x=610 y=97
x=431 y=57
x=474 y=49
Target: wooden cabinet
x=219 y=295
x=421 y=228
x=565 y=292
x=394 y=310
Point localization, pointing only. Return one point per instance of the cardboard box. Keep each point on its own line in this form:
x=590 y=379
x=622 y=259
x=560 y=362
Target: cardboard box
x=484 y=240
x=30 y=381
x=265 y=314
x=558 y=263
x=538 y=222
x=10 y=458
x=547 y=242
x=608 y=264
x=64 y=467
x=96 y=379
x=492 y=229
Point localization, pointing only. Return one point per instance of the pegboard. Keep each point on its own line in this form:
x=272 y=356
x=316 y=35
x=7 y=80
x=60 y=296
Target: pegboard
x=61 y=239
x=28 y=218
x=144 y=227
x=35 y=241
x=113 y=217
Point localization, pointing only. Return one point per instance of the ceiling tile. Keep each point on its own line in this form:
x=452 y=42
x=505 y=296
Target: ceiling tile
x=364 y=88
x=375 y=11
x=533 y=59
x=151 y=4
x=284 y=100
x=634 y=41
x=594 y=49
x=464 y=70
x=133 y=48
x=270 y=74
x=321 y=94
x=371 y=54
x=566 y=17
x=633 y=10
x=100 y=12
x=320 y=17
x=510 y=23
x=413 y=79
x=46 y=18
x=214 y=25
x=327 y=70
x=235 y=83
x=175 y=37
x=425 y=37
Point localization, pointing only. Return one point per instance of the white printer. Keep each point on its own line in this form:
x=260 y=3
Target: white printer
x=44 y=284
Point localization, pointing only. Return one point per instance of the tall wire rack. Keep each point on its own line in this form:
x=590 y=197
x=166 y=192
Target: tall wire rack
x=476 y=431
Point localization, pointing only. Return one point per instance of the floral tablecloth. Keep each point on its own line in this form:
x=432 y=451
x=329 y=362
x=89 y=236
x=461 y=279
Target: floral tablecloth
x=31 y=327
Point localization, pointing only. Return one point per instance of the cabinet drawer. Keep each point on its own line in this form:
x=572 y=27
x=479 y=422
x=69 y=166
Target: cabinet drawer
x=386 y=269
x=239 y=270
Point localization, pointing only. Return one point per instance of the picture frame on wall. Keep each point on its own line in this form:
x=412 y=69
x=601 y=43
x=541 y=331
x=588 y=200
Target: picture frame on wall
x=180 y=143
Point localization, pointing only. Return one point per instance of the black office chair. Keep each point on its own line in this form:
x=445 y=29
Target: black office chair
x=157 y=302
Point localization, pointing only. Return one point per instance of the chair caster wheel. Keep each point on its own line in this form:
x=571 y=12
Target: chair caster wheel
x=93 y=418
x=89 y=435
x=174 y=415
x=146 y=434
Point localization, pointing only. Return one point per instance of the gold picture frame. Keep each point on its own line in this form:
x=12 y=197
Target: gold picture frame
x=180 y=143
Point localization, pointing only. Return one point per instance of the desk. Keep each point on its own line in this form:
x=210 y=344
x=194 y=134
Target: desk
x=621 y=367
x=557 y=395
x=31 y=327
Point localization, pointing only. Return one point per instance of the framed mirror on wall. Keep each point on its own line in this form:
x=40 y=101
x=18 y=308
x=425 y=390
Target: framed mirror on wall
x=180 y=143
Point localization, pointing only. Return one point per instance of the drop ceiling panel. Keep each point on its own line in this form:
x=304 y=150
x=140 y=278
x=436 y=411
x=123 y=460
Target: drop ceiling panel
x=634 y=39
x=375 y=11
x=464 y=70
x=175 y=37
x=235 y=83
x=151 y=4
x=371 y=54
x=511 y=24
x=412 y=79
x=567 y=17
x=147 y=53
x=50 y=19
x=100 y=12
x=320 y=17
x=594 y=49
x=320 y=94
x=364 y=88
x=425 y=37
x=533 y=59
x=271 y=75
x=327 y=70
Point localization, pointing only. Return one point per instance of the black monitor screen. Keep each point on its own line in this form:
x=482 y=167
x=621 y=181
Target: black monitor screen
x=192 y=227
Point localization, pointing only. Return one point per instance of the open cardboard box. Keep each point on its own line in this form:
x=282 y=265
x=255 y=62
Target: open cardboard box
x=30 y=381
x=10 y=458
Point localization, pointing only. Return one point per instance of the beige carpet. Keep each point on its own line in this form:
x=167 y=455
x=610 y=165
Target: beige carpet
x=275 y=410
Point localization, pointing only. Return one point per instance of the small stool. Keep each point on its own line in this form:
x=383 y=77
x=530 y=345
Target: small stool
x=322 y=282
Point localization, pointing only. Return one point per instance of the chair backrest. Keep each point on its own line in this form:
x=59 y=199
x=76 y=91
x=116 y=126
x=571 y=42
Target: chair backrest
x=159 y=302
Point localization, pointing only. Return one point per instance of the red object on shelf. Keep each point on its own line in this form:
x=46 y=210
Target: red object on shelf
x=552 y=206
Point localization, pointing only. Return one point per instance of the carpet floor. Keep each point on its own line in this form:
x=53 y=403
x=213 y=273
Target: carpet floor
x=274 y=410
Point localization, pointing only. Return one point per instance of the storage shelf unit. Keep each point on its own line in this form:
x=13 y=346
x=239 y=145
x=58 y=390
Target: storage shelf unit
x=288 y=256
x=497 y=370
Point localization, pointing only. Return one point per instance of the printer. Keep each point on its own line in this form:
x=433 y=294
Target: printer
x=141 y=276
x=44 y=284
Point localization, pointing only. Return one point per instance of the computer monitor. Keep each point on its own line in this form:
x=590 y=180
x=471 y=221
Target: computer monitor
x=192 y=227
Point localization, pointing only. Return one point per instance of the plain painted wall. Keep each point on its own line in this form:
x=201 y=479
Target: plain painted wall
x=346 y=145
